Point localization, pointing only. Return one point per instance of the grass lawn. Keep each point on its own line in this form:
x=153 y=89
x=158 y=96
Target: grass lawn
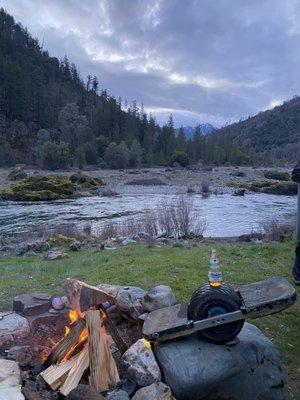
x=181 y=268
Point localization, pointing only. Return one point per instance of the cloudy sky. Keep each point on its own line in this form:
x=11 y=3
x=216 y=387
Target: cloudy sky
x=203 y=60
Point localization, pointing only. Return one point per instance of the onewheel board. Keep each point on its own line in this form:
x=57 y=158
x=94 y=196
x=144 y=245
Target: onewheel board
x=257 y=299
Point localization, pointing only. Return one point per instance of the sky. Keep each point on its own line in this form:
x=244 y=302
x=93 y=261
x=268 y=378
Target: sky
x=204 y=61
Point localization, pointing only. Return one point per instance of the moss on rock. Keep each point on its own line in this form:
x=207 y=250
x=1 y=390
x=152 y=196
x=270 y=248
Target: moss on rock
x=39 y=188
x=86 y=182
x=281 y=188
x=277 y=175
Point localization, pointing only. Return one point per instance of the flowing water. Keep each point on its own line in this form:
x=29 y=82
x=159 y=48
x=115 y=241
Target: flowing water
x=225 y=214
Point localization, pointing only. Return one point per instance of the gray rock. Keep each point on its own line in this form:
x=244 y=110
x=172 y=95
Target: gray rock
x=127 y=241
x=196 y=369
x=36 y=247
x=156 y=391
x=239 y=192
x=17 y=174
x=128 y=305
x=12 y=327
x=84 y=392
x=113 y=290
x=159 y=297
x=117 y=395
x=75 y=246
x=141 y=363
x=23 y=355
x=31 y=303
x=55 y=255
x=10 y=380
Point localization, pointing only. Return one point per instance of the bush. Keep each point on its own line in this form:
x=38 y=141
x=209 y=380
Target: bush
x=279 y=176
x=39 y=188
x=205 y=185
x=276 y=231
x=180 y=157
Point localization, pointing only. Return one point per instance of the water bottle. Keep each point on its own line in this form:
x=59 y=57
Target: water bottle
x=214 y=274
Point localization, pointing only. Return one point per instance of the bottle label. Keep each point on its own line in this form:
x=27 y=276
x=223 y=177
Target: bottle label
x=215 y=276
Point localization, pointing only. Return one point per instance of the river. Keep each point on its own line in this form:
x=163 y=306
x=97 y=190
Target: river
x=226 y=215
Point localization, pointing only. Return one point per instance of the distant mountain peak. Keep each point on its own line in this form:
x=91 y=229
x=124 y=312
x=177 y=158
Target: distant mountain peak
x=190 y=130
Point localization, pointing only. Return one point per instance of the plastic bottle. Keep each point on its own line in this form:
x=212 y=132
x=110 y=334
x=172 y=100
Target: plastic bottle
x=214 y=273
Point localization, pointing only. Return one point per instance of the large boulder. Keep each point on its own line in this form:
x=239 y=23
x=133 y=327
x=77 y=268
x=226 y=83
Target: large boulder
x=10 y=380
x=159 y=297
x=198 y=370
x=141 y=364
x=156 y=391
x=12 y=327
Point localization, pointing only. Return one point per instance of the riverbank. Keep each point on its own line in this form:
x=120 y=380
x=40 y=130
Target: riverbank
x=181 y=268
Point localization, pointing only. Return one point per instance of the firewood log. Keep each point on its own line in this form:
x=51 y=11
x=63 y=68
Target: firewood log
x=55 y=375
x=66 y=344
x=76 y=372
x=99 y=376
x=82 y=296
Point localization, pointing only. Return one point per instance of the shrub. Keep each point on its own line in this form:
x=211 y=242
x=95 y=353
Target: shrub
x=179 y=219
x=205 y=185
x=277 y=175
x=180 y=157
x=275 y=230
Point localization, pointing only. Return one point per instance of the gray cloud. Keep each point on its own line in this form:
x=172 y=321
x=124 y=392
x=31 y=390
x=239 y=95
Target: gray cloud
x=202 y=60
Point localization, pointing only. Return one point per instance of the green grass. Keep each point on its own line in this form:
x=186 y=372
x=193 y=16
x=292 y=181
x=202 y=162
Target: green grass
x=182 y=269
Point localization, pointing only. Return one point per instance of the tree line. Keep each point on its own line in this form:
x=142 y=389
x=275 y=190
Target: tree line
x=50 y=116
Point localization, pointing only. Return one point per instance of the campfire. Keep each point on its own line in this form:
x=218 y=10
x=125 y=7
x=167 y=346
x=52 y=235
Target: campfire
x=85 y=346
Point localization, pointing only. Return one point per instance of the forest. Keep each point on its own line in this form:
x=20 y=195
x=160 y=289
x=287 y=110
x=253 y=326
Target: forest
x=50 y=116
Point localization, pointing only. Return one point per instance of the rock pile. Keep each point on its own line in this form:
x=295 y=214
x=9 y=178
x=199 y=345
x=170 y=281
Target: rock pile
x=189 y=368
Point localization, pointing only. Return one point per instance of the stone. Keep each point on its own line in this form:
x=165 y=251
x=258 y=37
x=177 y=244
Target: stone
x=75 y=246
x=239 y=192
x=55 y=255
x=141 y=363
x=35 y=247
x=32 y=394
x=12 y=326
x=195 y=369
x=159 y=297
x=112 y=290
x=10 y=380
x=128 y=305
x=17 y=174
x=31 y=303
x=84 y=392
x=24 y=355
x=156 y=391
x=117 y=395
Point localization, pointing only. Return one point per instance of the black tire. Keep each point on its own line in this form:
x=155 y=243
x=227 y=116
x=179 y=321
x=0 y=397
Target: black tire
x=208 y=301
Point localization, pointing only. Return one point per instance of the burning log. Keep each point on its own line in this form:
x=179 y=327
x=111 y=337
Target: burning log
x=103 y=370
x=66 y=344
x=76 y=372
x=82 y=296
x=55 y=375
